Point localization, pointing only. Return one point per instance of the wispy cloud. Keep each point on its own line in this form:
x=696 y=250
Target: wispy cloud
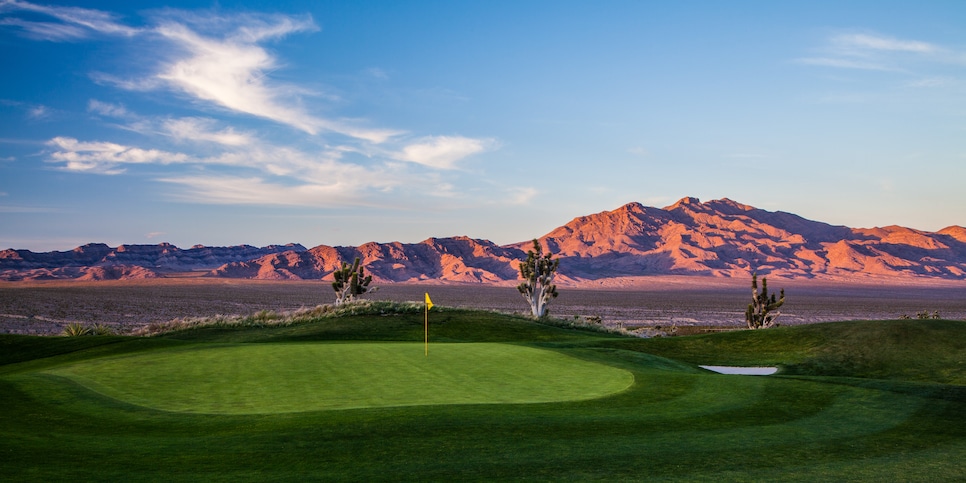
x=194 y=129
x=292 y=177
x=228 y=67
x=218 y=59
x=142 y=84
x=278 y=175
x=929 y=82
x=201 y=129
x=283 y=175
x=66 y=23
x=844 y=63
x=38 y=112
x=232 y=73
x=258 y=190
x=443 y=152
x=108 y=109
x=53 y=32
x=861 y=42
x=220 y=64
x=31 y=111
x=105 y=157
x=873 y=51
x=521 y=196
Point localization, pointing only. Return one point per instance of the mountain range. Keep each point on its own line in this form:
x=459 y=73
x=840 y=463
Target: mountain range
x=719 y=238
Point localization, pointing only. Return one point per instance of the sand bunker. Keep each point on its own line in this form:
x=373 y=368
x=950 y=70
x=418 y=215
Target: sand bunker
x=744 y=371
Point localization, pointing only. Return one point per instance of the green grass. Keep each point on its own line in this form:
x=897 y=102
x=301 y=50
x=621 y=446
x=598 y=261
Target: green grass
x=909 y=350
x=858 y=401
x=274 y=378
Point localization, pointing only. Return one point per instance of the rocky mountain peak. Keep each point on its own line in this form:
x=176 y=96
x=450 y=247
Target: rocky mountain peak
x=720 y=238
x=687 y=201
x=956 y=232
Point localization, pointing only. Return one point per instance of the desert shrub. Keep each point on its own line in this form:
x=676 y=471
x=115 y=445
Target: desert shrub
x=75 y=329
x=267 y=318
x=593 y=323
x=101 y=329
x=382 y=307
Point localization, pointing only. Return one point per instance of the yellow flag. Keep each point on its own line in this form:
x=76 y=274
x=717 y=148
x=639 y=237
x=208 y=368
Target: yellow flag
x=429 y=303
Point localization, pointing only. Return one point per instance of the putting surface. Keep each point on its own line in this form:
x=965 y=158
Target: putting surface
x=275 y=378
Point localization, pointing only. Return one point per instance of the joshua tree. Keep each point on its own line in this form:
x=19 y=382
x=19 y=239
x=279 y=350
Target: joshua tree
x=538 y=272
x=349 y=282
x=762 y=311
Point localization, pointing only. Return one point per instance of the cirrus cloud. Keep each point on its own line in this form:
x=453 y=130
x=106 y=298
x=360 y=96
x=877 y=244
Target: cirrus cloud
x=108 y=109
x=443 y=152
x=105 y=157
x=220 y=64
x=226 y=67
x=872 y=51
x=71 y=23
x=232 y=73
x=201 y=129
x=882 y=43
x=256 y=190
x=278 y=175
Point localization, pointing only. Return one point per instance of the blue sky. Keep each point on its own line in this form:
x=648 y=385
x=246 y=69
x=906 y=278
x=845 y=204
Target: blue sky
x=340 y=123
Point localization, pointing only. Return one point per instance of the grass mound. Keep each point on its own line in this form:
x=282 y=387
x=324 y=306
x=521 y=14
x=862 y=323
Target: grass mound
x=909 y=350
x=271 y=318
x=273 y=378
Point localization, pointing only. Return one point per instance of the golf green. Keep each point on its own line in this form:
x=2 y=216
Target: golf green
x=274 y=378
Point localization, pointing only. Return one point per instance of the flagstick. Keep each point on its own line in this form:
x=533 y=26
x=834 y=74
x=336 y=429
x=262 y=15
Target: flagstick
x=429 y=305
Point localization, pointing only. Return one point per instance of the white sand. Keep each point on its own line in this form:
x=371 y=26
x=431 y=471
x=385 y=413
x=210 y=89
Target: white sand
x=744 y=371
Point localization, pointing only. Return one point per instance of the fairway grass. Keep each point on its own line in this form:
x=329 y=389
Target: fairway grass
x=274 y=378
x=853 y=401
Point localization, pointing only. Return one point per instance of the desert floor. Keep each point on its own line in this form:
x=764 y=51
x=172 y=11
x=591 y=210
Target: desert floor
x=45 y=307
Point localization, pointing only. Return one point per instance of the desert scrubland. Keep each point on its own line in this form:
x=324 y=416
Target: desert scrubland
x=46 y=307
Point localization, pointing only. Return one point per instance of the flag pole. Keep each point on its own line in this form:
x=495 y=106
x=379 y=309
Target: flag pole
x=429 y=305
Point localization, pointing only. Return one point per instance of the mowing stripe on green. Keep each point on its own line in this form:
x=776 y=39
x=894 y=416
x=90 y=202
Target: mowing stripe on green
x=273 y=378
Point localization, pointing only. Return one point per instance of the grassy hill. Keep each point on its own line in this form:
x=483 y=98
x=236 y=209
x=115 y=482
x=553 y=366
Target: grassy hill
x=910 y=350
x=873 y=401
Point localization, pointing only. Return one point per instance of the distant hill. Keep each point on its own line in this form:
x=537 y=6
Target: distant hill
x=719 y=238
x=727 y=239
x=97 y=261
